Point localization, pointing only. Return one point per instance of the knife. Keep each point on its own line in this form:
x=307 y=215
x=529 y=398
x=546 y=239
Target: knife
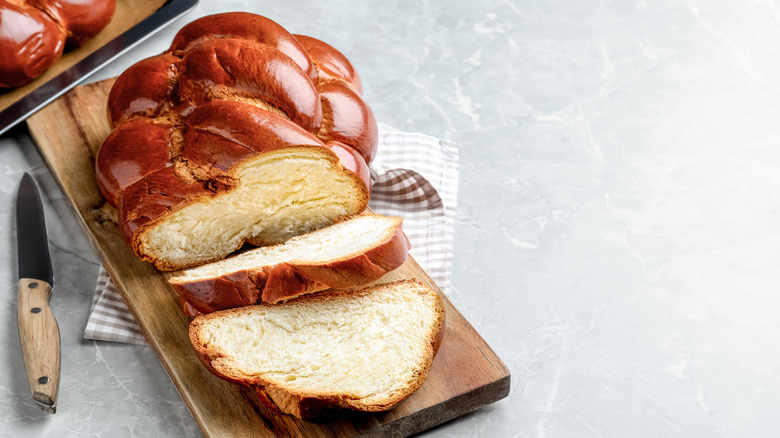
x=38 y=330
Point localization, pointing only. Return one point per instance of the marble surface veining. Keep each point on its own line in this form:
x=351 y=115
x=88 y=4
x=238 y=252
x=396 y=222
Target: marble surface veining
x=616 y=237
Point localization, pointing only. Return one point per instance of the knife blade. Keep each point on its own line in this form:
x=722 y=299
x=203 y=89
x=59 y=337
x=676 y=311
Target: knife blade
x=38 y=330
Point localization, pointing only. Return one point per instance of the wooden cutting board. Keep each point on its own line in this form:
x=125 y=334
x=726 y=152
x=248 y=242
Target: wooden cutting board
x=466 y=373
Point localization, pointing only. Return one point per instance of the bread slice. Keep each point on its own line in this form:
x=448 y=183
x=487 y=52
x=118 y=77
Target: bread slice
x=365 y=350
x=350 y=253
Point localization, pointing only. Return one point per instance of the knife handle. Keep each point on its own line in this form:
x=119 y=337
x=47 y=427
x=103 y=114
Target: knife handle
x=40 y=338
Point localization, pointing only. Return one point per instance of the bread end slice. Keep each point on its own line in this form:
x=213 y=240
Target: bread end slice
x=365 y=350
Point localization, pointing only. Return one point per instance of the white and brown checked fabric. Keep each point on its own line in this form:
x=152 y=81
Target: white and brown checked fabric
x=109 y=318
x=415 y=176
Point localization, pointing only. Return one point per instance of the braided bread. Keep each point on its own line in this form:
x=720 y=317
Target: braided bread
x=239 y=132
x=34 y=33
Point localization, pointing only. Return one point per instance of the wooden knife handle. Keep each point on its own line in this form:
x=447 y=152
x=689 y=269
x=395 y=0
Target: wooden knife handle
x=40 y=338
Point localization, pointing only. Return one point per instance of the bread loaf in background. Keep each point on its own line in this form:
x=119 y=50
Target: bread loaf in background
x=240 y=132
x=34 y=33
x=365 y=350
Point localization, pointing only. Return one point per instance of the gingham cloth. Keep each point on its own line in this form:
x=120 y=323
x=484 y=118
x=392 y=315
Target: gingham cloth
x=415 y=176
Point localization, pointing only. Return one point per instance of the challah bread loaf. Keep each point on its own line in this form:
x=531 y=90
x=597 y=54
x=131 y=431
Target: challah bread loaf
x=244 y=174
x=365 y=350
x=351 y=253
x=34 y=33
x=232 y=136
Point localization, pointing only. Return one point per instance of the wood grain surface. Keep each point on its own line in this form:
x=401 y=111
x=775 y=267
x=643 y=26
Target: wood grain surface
x=466 y=373
x=40 y=339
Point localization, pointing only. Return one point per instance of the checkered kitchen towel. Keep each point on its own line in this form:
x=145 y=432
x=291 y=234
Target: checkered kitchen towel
x=415 y=177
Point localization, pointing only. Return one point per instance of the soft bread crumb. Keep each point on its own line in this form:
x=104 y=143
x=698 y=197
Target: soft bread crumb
x=281 y=194
x=338 y=241
x=366 y=349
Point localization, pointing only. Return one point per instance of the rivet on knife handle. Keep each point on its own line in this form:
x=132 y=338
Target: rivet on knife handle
x=40 y=338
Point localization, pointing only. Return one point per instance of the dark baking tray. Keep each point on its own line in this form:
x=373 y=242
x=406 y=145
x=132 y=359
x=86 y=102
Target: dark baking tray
x=54 y=88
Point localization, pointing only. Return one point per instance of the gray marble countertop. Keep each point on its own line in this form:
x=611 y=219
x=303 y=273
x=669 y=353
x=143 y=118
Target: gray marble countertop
x=617 y=239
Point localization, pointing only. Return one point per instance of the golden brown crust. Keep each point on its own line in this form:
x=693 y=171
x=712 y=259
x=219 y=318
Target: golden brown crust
x=19 y=62
x=242 y=56
x=347 y=119
x=243 y=26
x=354 y=271
x=313 y=406
x=34 y=33
x=222 y=69
x=130 y=153
x=187 y=309
x=231 y=86
x=145 y=89
x=283 y=281
x=151 y=199
x=351 y=159
x=81 y=19
x=135 y=162
x=330 y=63
x=222 y=133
